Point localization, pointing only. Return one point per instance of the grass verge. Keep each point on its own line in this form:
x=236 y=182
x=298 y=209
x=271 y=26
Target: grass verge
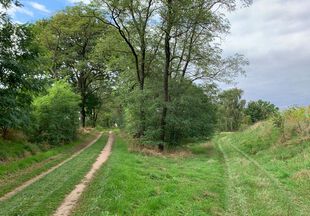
x=45 y=195
x=13 y=173
x=266 y=176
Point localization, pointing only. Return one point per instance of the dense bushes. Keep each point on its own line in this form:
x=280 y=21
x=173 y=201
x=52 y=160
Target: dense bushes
x=56 y=115
x=191 y=113
x=294 y=122
x=260 y=110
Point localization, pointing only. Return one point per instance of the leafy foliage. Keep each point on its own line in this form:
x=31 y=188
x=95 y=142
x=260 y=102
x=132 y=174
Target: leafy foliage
x=191 y=113
x=260 y=110
x=18 y=73
x=70 y=38
x=296 y=122
x=56 y=115
x=231 y=109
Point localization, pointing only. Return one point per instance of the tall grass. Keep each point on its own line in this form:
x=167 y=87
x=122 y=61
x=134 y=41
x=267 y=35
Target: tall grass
x=294 y=123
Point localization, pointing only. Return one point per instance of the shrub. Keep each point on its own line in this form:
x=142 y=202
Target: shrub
x=278 y=121
x=297 y=121
x=56 y=115
x=260 y=110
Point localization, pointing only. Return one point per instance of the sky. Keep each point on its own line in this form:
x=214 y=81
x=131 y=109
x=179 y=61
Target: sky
x=273 y=34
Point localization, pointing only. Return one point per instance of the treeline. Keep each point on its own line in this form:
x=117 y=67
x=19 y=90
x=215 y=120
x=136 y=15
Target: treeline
x=150 y=67
x=234 y=113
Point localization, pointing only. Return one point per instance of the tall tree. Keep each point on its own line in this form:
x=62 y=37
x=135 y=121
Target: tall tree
x=71 y=37
x=18 y=71
x=134 y=21
x=231 y=109
x=190 y=28
x=171 y=41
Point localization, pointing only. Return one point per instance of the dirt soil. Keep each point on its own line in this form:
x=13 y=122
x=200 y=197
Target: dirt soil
x=71 y=200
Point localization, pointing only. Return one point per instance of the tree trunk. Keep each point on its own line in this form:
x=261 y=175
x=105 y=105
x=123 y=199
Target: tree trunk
x=83 y=112
x=166 y=73
x=83 y=116
x=5 y=132
x=142 y=111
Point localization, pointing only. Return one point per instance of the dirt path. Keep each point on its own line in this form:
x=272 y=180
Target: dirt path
x=71 y=200
x=29 y=182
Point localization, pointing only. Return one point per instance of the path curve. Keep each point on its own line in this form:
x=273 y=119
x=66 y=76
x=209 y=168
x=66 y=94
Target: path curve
x=71 y=199
x=38 y=177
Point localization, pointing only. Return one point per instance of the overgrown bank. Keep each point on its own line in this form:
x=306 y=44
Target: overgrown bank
x=268 y=166
x=16 y=170
x=44 y=196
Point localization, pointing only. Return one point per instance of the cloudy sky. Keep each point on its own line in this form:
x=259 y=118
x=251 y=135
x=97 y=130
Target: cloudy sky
x=273 y=34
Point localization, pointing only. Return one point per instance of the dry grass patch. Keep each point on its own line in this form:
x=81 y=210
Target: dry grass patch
x=302 y=175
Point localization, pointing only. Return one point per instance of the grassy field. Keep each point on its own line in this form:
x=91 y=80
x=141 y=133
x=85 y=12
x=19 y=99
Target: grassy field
x=44 y=196
x=243 y=173
x=266 y=176
x=253 y=172
x=15 y=172
x=135 y=184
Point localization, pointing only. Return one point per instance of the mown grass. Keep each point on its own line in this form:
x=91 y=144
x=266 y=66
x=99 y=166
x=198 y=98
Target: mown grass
x=134 y=184
x=253 y=172
x=44 y=196
x=15 y=172
x=266 y=176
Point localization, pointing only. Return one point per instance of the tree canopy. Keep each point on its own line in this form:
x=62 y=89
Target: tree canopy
x=151 y=67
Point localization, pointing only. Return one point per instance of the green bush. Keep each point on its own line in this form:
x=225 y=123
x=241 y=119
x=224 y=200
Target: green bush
x=278 y=121
x=296 y=122
x=260 y=110
x=191 y=114
x=56 y=115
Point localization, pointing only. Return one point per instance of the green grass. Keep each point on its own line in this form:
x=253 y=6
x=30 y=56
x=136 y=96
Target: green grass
x=15 y=172
x=265 y=176
x=244 y=173
x=16 y=149
x=134 y=184
x=253 y=172
x=44 y=196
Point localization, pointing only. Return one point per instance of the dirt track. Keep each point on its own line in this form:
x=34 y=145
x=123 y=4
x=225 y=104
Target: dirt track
x=31 y=181
x=71 y=200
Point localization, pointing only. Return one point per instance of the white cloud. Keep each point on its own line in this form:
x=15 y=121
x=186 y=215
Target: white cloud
x=39 y=7
x=12 y=11
x=269 y=25
x=274 y=35
x=79 y=1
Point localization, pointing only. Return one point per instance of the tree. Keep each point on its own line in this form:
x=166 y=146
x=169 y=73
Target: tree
x=171 y=42
x=260 y=110
x=71 y=37
x=191 y=113
x=18 y=71
x=134 y=21
x=56 y=115
x=231 y=109
x=189 y=29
